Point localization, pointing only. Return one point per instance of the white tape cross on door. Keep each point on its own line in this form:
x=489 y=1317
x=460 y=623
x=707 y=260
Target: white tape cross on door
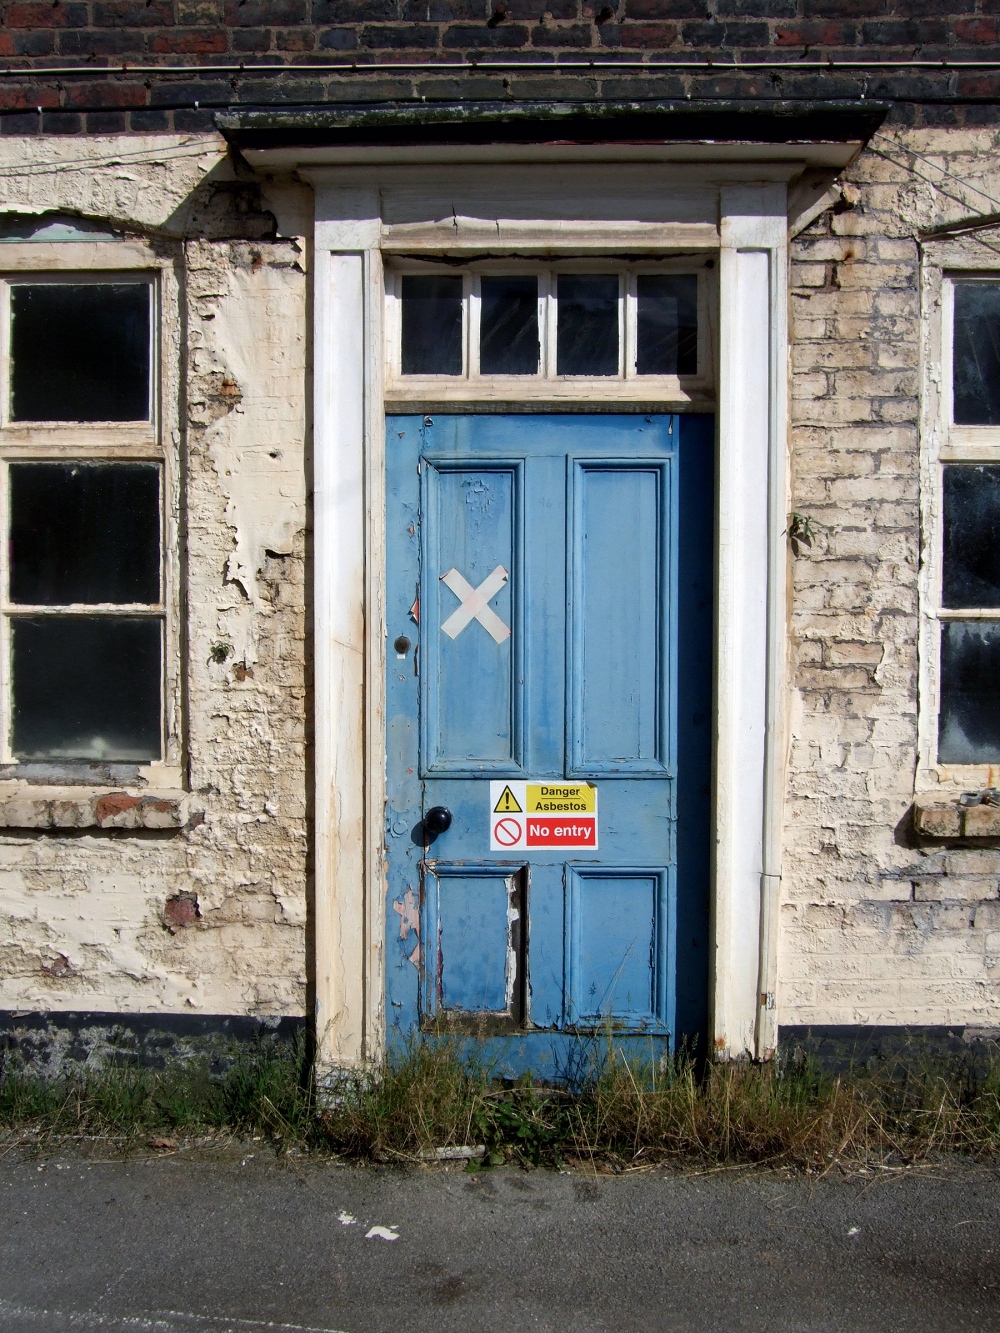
x=475 y=604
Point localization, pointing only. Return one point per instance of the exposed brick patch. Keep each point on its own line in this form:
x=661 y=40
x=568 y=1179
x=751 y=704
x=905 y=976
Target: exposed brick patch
x=180 y=911
x=60 y=966
x=114 y=805
x=69 y=808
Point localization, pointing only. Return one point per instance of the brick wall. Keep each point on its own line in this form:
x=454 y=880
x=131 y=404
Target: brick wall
x=635 y=40
x=878 y=927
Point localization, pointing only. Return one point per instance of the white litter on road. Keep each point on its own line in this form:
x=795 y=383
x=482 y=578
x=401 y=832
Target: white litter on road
x=382 y=1233
x=346 y=1219
x=452 y=1153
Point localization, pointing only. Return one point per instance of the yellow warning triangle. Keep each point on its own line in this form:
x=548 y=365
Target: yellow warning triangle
x=507 y=804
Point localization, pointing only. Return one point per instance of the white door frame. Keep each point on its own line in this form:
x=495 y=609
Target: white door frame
x=738 y=206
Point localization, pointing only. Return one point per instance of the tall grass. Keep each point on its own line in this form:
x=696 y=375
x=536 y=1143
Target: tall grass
x=624 y=1114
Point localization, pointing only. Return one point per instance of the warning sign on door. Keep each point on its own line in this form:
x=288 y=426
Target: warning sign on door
x=560 y=815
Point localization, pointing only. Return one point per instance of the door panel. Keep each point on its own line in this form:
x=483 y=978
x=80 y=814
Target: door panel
x=618 y=663
x=470 y=520
x=473 y=930
x=620 y=946
x=549 y=578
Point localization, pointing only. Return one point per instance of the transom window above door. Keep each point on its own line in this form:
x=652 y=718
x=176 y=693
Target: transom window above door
x=525 y=331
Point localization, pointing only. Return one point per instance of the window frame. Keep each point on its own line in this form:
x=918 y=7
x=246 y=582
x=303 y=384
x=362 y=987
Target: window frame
x=546 y=386
x=154 y=440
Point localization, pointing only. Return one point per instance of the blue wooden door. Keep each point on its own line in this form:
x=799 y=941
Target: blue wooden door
x=549 y=610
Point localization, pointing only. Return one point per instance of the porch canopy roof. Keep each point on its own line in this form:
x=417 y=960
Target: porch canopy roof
x=827 y=134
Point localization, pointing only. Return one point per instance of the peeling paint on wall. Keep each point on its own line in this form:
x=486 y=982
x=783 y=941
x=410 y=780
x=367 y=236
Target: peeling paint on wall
x=408 y=910
x=145 y=181
x=255 y=442
x=209 y=917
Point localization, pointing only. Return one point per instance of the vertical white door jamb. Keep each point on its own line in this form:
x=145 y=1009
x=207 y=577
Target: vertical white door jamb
x=375 y=647
x=751 y=614
x=347 y=620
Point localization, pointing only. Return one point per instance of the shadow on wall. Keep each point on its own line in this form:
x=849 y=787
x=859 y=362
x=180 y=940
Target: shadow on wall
x=59 y=1044
x=911 y=1050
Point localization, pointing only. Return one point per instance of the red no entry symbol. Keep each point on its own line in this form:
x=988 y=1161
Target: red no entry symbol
x=507 y=832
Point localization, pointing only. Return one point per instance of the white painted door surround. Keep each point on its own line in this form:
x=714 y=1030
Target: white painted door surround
x=365 y=213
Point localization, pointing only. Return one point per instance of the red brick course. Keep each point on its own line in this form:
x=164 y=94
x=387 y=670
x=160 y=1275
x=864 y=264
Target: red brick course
x=113 y=33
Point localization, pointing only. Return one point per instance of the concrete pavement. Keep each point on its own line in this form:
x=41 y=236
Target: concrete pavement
x=192 y=1244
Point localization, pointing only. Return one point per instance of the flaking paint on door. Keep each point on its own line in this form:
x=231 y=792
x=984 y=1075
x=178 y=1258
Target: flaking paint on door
x=549 y=611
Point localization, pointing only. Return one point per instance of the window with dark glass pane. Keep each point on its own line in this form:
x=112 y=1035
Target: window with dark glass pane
x=86 y=687
x=432 y=325
x=969 y=726
x=80 y=351
x=508 y=326
x=84 y=532
x=971 y=536
x=587 y=324
x=667 y=324
x=976 y=354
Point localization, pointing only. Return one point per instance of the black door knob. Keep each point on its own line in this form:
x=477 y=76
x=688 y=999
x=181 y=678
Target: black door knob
x=437 y=819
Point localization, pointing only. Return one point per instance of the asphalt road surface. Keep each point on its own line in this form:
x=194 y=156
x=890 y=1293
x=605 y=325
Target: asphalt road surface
x=180 y=1245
